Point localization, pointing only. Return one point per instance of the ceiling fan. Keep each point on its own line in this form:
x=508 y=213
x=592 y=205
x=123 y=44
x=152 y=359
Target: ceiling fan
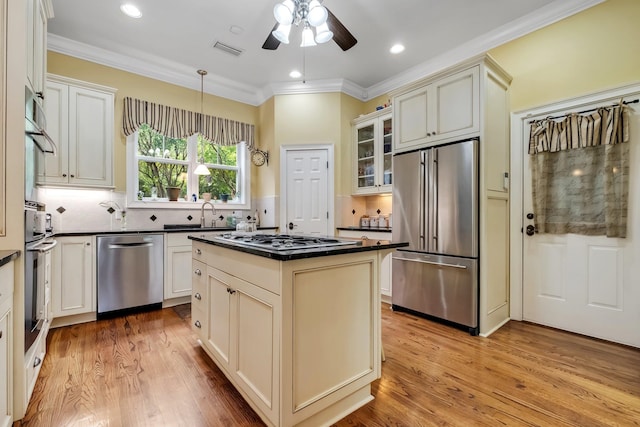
x=309 y=14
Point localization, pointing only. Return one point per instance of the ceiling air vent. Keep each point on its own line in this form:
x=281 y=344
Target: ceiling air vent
x=226 y=48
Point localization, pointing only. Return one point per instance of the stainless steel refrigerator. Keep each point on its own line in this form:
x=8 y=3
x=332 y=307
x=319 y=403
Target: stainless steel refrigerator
x=435 y=209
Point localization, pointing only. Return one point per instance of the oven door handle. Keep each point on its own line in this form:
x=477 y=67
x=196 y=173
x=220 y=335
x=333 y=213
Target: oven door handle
x=43 y=247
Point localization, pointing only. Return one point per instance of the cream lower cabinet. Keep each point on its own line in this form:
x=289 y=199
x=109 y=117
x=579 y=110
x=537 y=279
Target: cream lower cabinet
x=73 y=279
x=6 y=344
x=178 y=266
x=243 y=325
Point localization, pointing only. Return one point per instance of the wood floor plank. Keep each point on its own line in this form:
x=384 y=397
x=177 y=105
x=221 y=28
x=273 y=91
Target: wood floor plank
x=148 y=370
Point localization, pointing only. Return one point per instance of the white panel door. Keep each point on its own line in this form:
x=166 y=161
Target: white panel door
x=307 y=192
x=586 y=284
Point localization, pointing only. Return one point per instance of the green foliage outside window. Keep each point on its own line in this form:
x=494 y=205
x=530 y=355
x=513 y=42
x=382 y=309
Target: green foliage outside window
x=163 y=162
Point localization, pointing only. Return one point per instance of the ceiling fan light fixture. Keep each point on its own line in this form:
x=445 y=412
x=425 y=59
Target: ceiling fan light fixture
x=130 y=10
x=283 y=12
x=282 y=33
x=307 y=37
x=323 y=34
x=317 y=13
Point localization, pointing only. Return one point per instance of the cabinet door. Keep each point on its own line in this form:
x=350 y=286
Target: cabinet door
x=5 y=373
x=178 y=281
x=90 y=137
x=54 y=168
x=39 y=49
x=218 y=339
x=456 y=101
x=385 y=153
x=256 y=358
x=410 y=112
x=365 y=151
x=73 y=288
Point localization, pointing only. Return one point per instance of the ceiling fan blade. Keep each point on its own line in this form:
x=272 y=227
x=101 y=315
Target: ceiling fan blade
x=341 y=35
x=271 y=43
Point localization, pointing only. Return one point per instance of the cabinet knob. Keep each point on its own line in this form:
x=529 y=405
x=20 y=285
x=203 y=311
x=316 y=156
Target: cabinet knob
x=198 y=324
x=88 y=244
x=198 y=251
x=197 y=296
x=73 y=176
x=37 y=361
x=198 y=272
x=64 y=175
x=40 y=94
x=231 y=291
x=0 y=334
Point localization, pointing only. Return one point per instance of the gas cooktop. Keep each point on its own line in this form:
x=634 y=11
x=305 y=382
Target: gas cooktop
x=283 y=242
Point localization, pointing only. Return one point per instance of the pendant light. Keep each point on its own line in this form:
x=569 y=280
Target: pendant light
x=202 y=169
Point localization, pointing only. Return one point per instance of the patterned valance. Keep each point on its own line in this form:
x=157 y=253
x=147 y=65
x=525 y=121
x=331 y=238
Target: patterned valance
x=177 y=123
x=604 y=126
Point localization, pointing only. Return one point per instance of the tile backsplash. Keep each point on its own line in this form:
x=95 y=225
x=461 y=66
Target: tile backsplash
x=99 y=210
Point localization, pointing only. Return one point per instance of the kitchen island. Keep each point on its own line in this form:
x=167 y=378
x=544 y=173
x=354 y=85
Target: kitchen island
x=297 y=331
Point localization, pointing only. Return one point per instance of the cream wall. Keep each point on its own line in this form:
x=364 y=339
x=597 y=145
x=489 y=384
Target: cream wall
x=588 y=52
x=136 y=86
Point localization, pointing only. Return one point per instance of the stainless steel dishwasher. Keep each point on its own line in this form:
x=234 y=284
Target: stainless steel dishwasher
x=130 y=273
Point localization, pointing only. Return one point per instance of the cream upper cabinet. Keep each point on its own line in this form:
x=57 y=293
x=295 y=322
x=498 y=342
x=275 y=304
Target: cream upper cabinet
x=445 y=109
x=38 y=12
x=73 y=284
x=80 y=119
x=372 y=153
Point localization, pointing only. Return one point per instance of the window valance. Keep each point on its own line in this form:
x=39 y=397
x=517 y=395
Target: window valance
x=178 y=123
x=604 y=126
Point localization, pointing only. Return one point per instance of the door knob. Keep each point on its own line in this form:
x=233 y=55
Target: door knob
x=529 y=215
x=291 y=225
x=530 y=230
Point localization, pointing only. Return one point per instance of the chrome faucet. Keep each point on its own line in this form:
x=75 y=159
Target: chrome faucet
x=213 y=211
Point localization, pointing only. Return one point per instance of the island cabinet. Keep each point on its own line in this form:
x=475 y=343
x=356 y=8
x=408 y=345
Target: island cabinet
x=299 y=339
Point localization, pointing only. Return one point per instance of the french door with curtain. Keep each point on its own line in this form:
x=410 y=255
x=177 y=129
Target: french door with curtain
x=586 y=283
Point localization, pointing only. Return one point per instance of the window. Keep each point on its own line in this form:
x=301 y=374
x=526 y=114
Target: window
x=157 y=163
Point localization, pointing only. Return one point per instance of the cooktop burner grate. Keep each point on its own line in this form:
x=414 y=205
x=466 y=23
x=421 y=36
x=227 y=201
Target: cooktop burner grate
x=284 y=241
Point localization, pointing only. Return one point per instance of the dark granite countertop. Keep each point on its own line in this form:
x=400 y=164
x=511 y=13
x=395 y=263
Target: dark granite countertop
x=358 y=228
x=7 y=256
x=289 y=255
x=184 y=229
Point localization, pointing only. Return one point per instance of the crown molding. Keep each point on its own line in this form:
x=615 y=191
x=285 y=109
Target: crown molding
x=556 y=11
x=156 y=68
x=174 y=73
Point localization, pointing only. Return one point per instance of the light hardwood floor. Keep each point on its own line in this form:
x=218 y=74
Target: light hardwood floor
x=147 y=370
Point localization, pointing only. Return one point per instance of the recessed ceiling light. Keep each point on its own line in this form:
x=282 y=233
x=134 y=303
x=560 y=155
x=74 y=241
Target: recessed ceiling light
x=295 y=74
x=396 y=48
x=130 y=10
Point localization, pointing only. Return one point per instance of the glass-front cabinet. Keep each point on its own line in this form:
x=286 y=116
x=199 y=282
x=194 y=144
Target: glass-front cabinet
x=372 y=153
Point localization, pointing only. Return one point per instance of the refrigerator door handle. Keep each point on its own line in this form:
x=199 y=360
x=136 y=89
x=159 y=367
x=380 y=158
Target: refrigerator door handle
x=442 y=264
x=434 y=210
x=423 y=160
